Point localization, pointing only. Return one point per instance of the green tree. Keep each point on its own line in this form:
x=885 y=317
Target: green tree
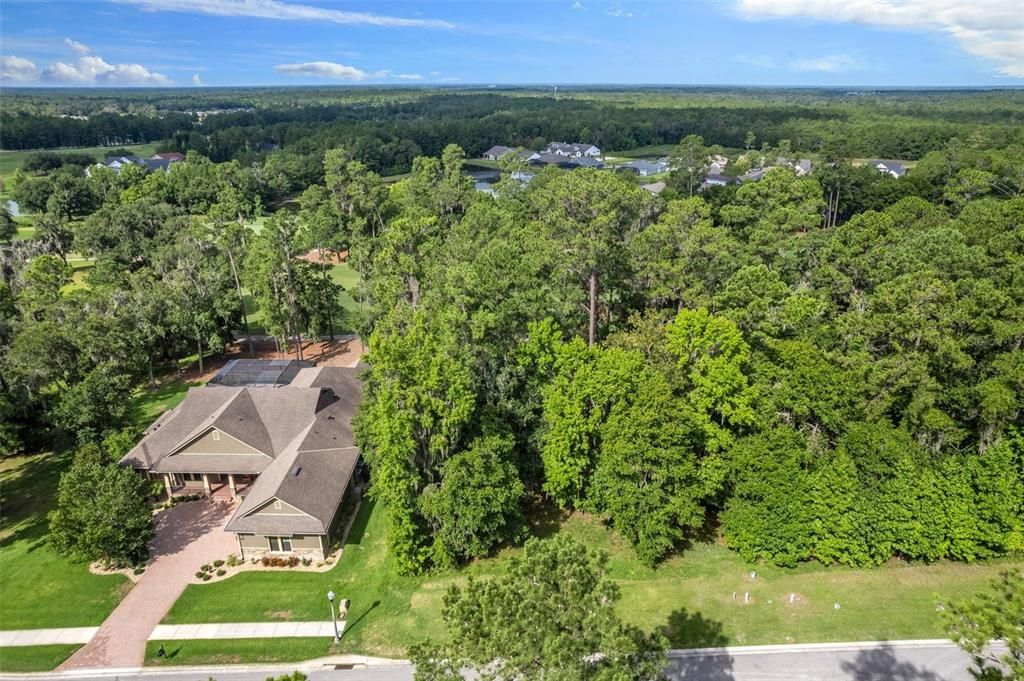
x=551 y=617
x=588 y=217
x=477 y=505
x=8 y=227
x=690 y=164
x=996 y=614
x=101 y=511
x=95 y=406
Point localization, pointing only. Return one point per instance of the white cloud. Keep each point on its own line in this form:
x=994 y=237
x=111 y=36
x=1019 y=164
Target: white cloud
x=94 y=70
x=578 y=6
x=451 y=79
x=17 y=69
x=77 y=47
x=322 y=69
x=87 y=70
x=615 y=10
x=287 y=11
x=409 y=76
x=989 y=29
x=196 y=80
x=832 y=63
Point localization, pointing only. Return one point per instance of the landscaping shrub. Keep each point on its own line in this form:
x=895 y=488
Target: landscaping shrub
x=206 y=568
x=206 y=577
x=307 y=561
x=218 y=563
x=279 y=561
x=138 y=570
x=221 y=572
x=233 y=560
x=200 y=575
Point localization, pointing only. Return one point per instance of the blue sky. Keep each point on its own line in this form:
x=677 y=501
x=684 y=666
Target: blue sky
x=733 y=42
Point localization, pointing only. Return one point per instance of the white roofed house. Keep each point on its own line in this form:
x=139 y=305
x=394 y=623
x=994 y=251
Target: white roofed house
x=893 y=168
x=572 y=149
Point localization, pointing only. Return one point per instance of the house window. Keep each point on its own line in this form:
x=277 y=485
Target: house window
x=280 y=544
x=277 y=505
x=193 y=477
x=216 y=435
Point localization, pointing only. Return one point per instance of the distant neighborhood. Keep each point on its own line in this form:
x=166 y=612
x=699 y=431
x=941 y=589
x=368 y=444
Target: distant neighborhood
x=573 y=155
x=155 y=163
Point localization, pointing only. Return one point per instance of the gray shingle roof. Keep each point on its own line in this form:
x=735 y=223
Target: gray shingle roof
x=498 y=151
x=304 y=431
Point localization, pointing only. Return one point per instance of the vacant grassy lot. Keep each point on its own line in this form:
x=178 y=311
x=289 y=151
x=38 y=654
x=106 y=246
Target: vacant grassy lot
x=38 y=587
x=13 y=160
x=24 y=659
x=689 y=598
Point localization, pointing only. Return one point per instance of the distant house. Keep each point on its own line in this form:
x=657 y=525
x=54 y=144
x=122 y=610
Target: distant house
x=156 y=162
x=172 y=156
x=644 y=168
x=497 y=151
x=718 y=180
x=573 y=149
x=753 y=175
x=522 y=176
x=803 y=167
x=586 y=162
x=654 y=187
x=894 y=168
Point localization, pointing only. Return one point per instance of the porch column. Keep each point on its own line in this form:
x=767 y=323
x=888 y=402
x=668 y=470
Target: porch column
x=231 y=484
x=167 y=484
x=206 y=484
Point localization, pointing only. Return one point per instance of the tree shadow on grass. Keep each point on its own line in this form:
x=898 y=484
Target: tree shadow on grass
x=881 y=664
x=692 y=630
x=350 y=627
x=358 y=529
x=544 y=518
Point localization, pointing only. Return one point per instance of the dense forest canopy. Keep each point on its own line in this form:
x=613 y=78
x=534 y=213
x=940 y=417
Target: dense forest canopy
x=822 y=367
x=387 y=128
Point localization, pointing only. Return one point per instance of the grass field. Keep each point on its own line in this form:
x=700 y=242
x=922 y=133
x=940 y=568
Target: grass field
x=24 y=659
x=234 y=651
x=689 y=598
x=38 y=587
x=13 y=160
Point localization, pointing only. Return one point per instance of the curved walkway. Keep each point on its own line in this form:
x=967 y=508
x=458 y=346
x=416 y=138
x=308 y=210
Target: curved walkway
x=188 y=536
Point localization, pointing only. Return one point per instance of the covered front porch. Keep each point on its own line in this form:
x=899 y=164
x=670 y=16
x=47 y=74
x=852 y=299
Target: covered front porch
x=228 y=486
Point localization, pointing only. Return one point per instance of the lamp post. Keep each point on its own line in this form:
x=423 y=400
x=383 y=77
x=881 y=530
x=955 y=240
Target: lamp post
x=330 y=599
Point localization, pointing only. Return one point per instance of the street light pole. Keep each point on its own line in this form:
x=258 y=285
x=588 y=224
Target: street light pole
x=334 y=620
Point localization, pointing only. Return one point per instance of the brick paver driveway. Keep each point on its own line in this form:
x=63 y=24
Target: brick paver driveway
x=187 y=537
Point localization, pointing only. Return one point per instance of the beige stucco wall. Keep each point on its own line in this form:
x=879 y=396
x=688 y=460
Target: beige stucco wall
x=205 y=444
x=255 y=545
x=268 y=509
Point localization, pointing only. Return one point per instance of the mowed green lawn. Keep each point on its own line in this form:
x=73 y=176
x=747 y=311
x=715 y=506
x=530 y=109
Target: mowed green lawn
x=697 y=599
x=38 y=587
x=11 y=161
x=23 y=659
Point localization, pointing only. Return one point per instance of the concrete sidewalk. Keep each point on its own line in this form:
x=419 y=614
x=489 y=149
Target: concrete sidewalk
x=43 y=637
x=185 y=632
x=177 y=632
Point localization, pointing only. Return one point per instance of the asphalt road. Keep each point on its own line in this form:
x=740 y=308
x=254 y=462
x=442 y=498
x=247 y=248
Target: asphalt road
x=883 y=662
